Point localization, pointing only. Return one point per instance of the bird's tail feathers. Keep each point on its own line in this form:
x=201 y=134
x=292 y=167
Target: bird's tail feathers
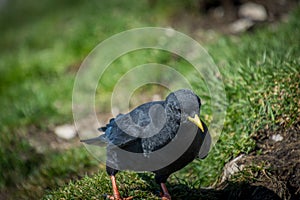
x=98 y=141
x=102 y=129
x=109 y=125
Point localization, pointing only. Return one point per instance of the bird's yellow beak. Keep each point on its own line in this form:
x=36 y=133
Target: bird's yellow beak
x=197 y=121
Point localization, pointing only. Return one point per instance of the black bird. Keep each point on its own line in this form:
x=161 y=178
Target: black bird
x=160 y=136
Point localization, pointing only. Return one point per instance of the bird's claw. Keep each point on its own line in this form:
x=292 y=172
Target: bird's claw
x=166 y=196
x=111 y=197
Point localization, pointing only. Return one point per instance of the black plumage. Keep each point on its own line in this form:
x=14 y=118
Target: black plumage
x=151 y=127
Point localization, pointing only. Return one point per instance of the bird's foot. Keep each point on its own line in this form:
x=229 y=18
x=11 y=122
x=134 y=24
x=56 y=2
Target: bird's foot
x=166 y=196
x=165 y=193
x=111 y=197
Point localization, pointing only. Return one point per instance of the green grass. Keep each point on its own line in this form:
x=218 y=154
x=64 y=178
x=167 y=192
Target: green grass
x=261 y=78
x=37 y=57
x=37 y=70
x=56 y=170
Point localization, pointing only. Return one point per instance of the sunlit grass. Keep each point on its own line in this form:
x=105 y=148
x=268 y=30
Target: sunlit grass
x=40 y=45
x=39 y=57
x=260 y=75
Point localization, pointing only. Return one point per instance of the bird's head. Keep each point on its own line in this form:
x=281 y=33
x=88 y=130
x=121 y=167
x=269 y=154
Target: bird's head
x=187 y=104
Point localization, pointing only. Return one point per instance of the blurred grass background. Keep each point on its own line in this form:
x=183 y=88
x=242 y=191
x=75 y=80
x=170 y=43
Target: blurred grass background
x=42 y=46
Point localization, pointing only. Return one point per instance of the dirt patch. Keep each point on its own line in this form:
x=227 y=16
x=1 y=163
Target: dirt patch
x=274 y=165
x=281 y=159
x=44 y=140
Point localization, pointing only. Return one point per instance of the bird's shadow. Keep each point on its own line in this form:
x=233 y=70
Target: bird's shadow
x=232 y=191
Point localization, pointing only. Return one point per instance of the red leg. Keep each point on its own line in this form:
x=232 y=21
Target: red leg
x=166 y=195
x=116 y=193
x=115 y=187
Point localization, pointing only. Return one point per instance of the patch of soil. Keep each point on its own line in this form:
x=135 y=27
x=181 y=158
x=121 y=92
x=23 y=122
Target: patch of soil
x=43 y=140
x=282 y=158
x=275 y=164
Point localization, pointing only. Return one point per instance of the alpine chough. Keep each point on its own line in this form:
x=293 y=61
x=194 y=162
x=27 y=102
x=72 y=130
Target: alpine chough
x=143 y=138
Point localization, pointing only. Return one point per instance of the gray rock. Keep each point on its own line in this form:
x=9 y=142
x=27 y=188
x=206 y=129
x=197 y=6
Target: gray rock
x=253 y=11
x=66 y=131
x=240 y=25
x=277 y=138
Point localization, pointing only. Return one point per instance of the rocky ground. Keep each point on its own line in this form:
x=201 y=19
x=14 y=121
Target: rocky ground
x=272 y=170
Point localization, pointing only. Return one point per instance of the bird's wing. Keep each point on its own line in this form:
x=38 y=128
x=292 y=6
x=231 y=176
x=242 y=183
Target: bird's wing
x=139 y=123
x=165 y=129
x=116 y=135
